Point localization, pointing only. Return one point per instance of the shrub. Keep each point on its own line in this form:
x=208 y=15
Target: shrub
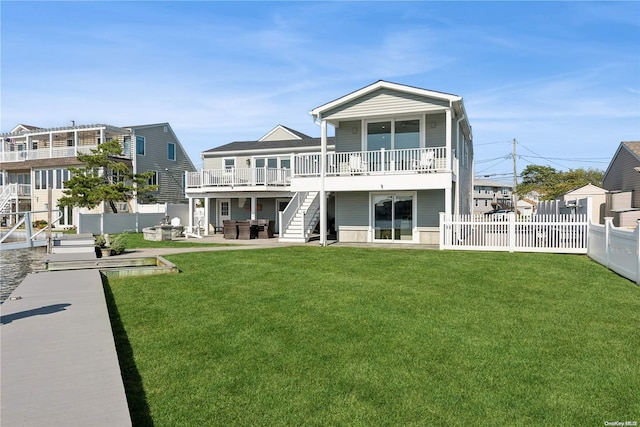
x=118 y=244
x=100 y=241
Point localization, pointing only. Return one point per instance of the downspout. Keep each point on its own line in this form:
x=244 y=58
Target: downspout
x=457 y=202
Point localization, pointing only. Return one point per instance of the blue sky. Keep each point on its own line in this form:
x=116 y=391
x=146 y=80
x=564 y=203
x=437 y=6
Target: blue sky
x=562 y=78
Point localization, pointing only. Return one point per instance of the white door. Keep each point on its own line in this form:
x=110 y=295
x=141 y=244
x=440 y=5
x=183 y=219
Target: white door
x=224 y=210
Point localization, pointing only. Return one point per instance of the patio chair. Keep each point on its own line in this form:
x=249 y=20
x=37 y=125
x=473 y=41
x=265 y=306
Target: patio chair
x=356 y=164
x=230 y=229
x=425 y=162
x=244 y=230
x=265 y=229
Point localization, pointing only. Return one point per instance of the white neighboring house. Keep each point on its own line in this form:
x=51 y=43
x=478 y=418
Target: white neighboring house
x=32 y=159
x=598 y=197
x=400 y=156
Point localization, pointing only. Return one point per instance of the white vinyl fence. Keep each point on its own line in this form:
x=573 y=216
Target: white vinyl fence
x=616 y=248
x=540 y=233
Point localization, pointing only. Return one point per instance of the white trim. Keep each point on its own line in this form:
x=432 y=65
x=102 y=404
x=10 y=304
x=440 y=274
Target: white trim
x=317 y=112
x=279 y=127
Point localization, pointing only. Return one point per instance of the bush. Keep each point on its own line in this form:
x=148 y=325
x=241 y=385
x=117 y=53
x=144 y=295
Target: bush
x=100 y=241
x=41 y=223
x=118 y=244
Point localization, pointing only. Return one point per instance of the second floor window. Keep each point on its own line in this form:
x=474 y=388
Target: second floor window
x=393 y=135
x=140 y=145
x=171 y=151
x=229 y=164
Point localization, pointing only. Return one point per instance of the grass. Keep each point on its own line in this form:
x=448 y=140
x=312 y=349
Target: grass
x=360 y=337
x=137 y=241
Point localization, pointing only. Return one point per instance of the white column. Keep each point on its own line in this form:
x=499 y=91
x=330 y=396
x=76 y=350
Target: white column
x=206 y=216
x=254 y=206
x=50 y=145
x=448 y=136
x=191 y=214
x=447 y=201
x=323 y=195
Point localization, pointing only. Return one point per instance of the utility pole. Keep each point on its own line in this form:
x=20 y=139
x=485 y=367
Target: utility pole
x=515 y=179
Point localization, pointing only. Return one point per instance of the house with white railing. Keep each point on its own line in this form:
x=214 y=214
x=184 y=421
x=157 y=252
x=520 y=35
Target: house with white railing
x=34 y=159
x=399 y=156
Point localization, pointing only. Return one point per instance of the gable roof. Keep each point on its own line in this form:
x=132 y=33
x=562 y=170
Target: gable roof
x=297 y=140
x=23 y=128
x=277 y=132
x=382 y=84
x=585 y=189
x=491 y=183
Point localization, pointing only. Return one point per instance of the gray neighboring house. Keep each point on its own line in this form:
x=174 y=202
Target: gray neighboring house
x=158 y=149
x=400 y=156
x=491 y=195
x=33 y=159
x=622 y=181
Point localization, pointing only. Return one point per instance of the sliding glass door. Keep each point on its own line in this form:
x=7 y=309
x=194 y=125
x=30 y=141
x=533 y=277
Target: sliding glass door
x=393 y=217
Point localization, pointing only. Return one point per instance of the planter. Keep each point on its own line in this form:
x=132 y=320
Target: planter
x=105 y=252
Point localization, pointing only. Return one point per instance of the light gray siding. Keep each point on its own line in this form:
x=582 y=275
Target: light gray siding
x=385 y=101
x=436 y=130
x=170 y=172
x=352 y=209
x=430 y=204
x=349 y=136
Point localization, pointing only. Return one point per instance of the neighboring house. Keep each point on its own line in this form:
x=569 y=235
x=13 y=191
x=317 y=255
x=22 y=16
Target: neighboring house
x=526 y=207
x=622 y=181
x=399 y=157
x=491 y=195
x=569 y=201
x=34 y=159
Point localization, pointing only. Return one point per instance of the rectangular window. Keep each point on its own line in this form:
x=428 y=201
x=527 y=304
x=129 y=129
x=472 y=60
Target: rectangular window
x=140 y=145
x=34 y=145
x=393 y=135
x=69 y=142
x=38 y=179
x=58 y=179
x=154 y=178
x=126 y=145
x=229 y=163
x=171 y=151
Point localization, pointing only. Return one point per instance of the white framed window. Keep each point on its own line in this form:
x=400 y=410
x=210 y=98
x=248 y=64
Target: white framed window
x=392 y=134
x=171 y=151
x=229 y=163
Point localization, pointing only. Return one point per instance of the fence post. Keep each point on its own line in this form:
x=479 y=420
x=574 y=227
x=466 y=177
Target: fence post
x=608 y=223
x=442 y=230
x=512 y=231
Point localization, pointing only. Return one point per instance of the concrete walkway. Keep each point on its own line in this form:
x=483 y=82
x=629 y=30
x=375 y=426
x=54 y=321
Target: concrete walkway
x=59 y=365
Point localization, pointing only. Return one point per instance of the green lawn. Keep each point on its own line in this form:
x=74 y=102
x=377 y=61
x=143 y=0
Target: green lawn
x=136 y=241
x=347 y=336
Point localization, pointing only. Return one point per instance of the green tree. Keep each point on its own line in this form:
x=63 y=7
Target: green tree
x=105 y=177
x=550 y=183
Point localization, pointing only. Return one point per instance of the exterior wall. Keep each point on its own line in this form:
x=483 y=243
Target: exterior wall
x=170 y=172
x=622 y=176
x=353 y=215
x=218 y=161
x=436 y=130
x=385 y=101
x=349 y=136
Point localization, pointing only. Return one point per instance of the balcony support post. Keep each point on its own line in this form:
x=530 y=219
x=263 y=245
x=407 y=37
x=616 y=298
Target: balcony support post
x=323 y=173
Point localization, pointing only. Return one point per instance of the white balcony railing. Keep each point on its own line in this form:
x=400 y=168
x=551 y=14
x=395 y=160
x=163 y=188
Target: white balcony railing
x=46 y=153
x=234 y=177
x=379 y=162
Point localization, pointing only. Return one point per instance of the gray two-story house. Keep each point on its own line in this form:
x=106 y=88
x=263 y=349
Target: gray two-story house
x=399 y=157
x=34 y=160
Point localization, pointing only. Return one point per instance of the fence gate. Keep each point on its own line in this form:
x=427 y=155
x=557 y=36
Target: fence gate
x=538 y=233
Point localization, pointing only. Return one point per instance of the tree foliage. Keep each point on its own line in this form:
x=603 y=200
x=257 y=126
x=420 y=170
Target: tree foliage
x=550 y=183
x=105 y=177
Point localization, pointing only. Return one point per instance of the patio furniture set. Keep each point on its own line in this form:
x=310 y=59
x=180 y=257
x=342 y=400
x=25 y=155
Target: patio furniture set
x=249 y=229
